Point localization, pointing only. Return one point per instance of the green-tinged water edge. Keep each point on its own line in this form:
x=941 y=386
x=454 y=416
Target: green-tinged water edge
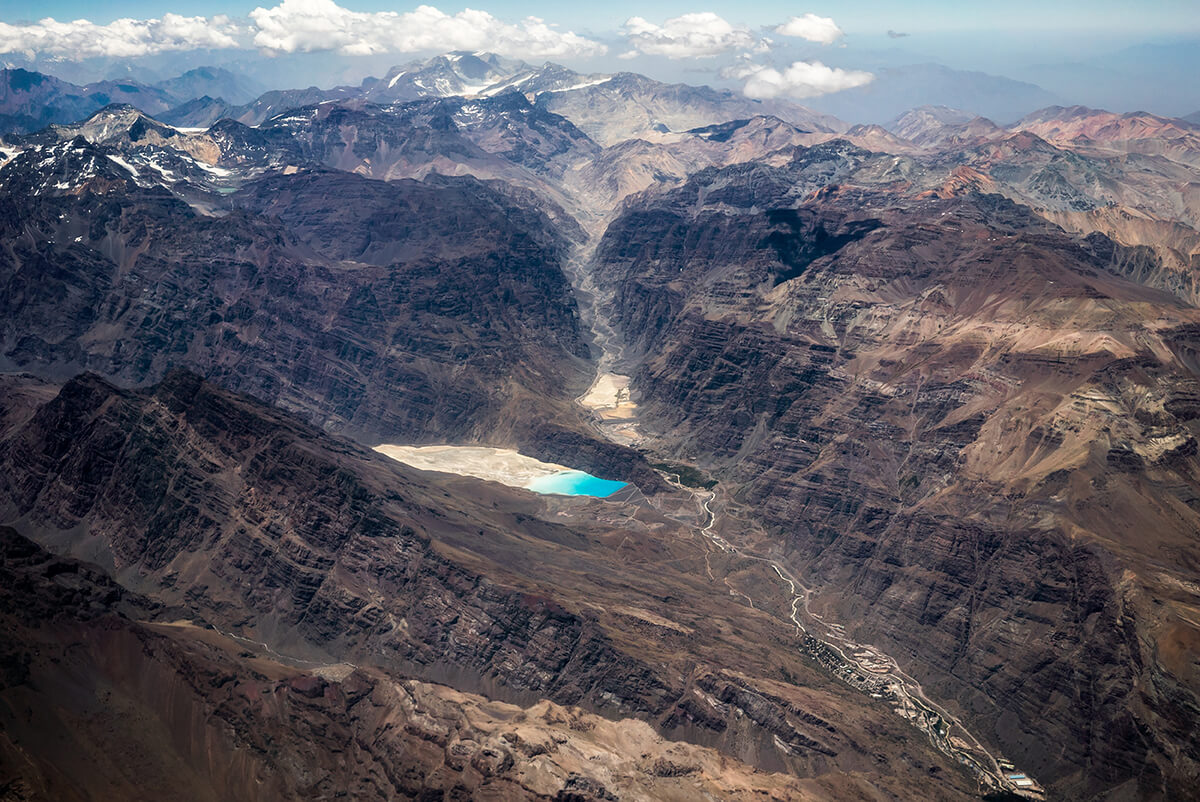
x=575 y=483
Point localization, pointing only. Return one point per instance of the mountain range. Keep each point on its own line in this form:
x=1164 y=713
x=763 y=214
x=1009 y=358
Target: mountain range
x=909 y=437
x=896 y=89
x=31 y=100
x=202 y=96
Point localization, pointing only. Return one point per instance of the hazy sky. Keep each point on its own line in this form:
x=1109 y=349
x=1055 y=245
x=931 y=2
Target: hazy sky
x=865 y=16
x=1078 y=50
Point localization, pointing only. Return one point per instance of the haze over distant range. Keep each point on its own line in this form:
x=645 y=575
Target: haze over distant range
x=865 y=61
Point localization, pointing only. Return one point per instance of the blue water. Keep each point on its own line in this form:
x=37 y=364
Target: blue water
x=575 y=483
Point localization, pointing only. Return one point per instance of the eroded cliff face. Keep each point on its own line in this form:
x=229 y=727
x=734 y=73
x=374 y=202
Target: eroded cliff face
x=974 y=439
x=396 y=312
x=230 y=514
x=105 y=695
x=488 y=136
x=428 y=306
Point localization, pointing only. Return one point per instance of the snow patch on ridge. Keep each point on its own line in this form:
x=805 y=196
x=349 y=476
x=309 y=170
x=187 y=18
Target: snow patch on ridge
x=8 y=154
x=119 y=161
x=584 y=85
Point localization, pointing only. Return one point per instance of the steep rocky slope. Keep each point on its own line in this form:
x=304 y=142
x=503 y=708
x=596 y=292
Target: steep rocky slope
x=486 y=137
x=964 y=428
x=1137 y=200
x=634 y=165
x=938 y=126
x=631 y=106
x=103 y=696
x=152 y=283
x=400 y=311
x=229 y=514
x=1134 y=132
x=31 y=100
x=1131 y=177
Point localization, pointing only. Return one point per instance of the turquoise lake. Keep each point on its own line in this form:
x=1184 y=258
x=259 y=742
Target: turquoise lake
x=575 y=483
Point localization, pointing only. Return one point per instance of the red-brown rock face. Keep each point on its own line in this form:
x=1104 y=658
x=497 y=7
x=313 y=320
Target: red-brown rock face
x=973 y=439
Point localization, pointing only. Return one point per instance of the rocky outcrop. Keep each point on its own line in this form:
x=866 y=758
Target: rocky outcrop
x=631 y=106
x=31 y=100
x=398 y=312
x=488 y=137
x=929 y=406
x=1136 y=132
x=107 y=695
x=228 y=512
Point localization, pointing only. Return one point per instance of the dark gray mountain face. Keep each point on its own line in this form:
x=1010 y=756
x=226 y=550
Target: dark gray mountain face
x=30 y=100
x=398 y=140
x=409 y=311
x=200 y=112
x=214 y=82
x=232 y=525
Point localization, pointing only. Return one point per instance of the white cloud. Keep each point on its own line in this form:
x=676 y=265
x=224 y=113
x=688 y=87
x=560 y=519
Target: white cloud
x=123 y=38
x=822 y=30
x=802 y=79
x=698 y=35
x=300 y=26
x=312 y=25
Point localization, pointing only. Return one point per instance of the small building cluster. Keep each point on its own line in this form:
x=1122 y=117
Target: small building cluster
x=877 y=686
x=1019 y=782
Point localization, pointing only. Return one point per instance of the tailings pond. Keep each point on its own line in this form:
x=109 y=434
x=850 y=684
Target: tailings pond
x=505 y=466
